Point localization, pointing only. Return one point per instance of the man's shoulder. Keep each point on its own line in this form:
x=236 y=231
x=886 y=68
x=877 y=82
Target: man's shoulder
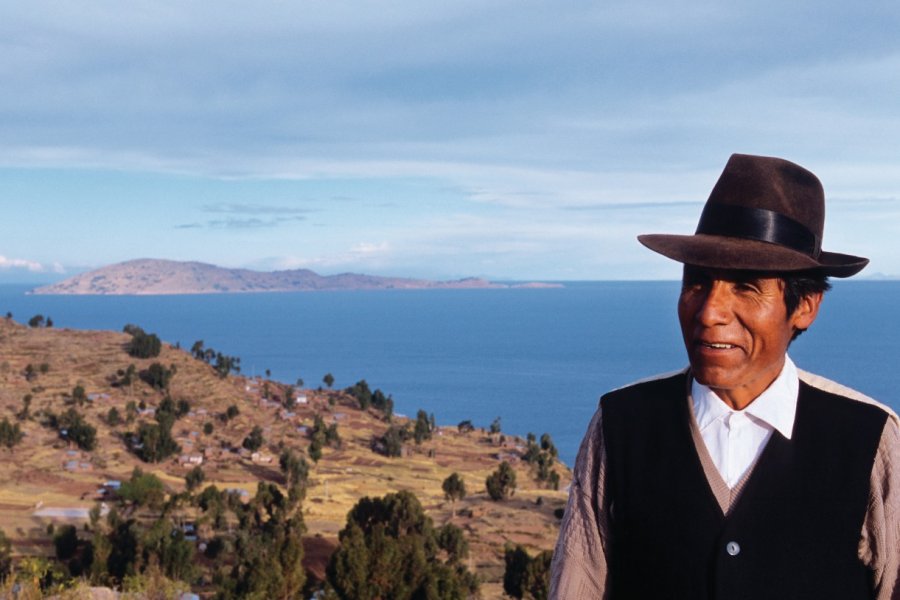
x=843 y=393
x=654 y=387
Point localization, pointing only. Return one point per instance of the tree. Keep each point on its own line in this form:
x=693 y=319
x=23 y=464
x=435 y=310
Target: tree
x=422 y=429
x=526 y=577
x=541 y=458
x=143 y=489
x=287 y=400
x=78 y=395
x=25 y=413
x=113 y=417
x=315 y=451
x=501 y=484
x=495 y=425
x=328 y=380
x=390 y=549
x=454 y=487
x=360 y=390
x=158 y=376
x=268 y=550
x=226 y=364
x=142 y=344
x=231 y=412
x=207 y=428
x=383 y=403
x=5 y=555
x=194 y=478
x=10 y=433
x=73 y=427
x=296 y=472
x=451 y=540
x=36 y=321
x=254 y=440
x=391 y=443
x=465 y=426
x=155 y=442
x=65 y=541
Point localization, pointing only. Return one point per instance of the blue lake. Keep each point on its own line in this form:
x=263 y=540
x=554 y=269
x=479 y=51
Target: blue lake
x=537 y=358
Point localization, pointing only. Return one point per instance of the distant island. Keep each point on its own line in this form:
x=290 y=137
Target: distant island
x=158 y=277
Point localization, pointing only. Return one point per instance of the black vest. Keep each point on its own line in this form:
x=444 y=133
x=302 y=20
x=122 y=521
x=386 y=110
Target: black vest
x=793 y=533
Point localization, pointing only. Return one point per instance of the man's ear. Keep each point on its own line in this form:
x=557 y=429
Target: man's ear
x=807 y=311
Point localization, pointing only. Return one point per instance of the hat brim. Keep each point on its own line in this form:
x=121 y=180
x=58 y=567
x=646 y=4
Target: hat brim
x=722 y=252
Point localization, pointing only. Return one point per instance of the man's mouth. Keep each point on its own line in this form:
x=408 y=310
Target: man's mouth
x=717 y=345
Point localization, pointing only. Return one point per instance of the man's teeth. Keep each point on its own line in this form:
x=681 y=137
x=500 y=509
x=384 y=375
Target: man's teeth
x=718 y=346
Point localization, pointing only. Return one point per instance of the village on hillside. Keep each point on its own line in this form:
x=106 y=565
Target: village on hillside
x=111 y=432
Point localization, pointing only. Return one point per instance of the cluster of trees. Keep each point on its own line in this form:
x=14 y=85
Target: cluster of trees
x=31 y=372
x=222 y=363
x=158 y=376
x=366 y=398
x=142 y=344
x=124 y=377
x=526 y=576
x=322 y=435
x=40 y=321
x=542 y=458
x=424 y=426
x=153 y=442
x=72 y=427
x=391 y=442
x=389 y=548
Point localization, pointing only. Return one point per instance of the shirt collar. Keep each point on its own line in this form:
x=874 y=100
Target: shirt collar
x=776 y=406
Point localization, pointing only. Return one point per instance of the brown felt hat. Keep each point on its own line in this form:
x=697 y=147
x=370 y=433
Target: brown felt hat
x=764 y=214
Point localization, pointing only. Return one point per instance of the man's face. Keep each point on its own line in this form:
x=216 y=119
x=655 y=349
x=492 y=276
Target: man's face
x=736 y=329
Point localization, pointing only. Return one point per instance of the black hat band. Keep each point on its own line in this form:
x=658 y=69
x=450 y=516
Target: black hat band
x=757 y=224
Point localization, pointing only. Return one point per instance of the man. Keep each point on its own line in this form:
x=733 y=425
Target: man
x=741 y=477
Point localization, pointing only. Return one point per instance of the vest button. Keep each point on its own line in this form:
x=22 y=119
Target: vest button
x=733 y=548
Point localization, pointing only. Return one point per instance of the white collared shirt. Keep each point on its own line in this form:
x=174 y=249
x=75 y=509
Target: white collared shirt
x=736 y=438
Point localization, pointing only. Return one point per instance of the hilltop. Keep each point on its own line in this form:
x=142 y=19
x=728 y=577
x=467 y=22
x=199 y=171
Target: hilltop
x=47 y=479
x=153 y=276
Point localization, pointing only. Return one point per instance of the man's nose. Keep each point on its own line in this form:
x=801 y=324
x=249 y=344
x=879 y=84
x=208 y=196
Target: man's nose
x=715 y=306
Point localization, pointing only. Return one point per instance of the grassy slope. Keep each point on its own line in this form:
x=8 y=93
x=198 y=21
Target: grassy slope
x=32 y=474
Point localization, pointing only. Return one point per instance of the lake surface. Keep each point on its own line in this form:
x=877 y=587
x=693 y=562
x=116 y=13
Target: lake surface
x=537 y=358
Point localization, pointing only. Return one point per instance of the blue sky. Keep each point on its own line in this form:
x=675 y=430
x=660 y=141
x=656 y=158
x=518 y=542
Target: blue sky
x=512 y=140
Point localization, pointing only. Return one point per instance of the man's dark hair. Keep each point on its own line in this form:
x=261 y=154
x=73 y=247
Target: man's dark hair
x=800 y=284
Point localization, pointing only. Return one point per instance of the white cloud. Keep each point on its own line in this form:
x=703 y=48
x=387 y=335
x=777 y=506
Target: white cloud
x=8 y=264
